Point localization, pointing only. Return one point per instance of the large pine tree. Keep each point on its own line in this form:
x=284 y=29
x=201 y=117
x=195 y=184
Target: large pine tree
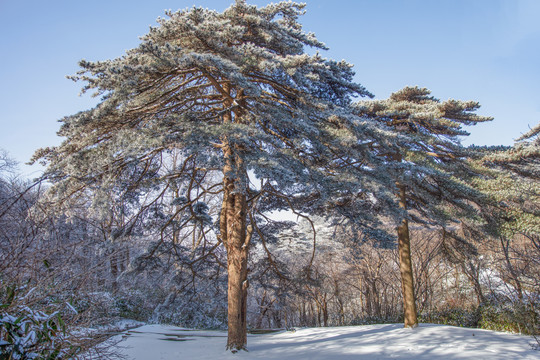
x=429 y=164
x=226 y=92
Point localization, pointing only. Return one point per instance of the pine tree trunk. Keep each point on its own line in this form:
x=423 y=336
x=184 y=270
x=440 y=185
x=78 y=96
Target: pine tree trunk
x=405 y=265
x=237 y=298
x=235 y=237
x=234 y=233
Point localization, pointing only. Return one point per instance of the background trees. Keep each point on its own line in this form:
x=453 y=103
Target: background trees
x=511 y=182
x=429 y=167
x=49 y=271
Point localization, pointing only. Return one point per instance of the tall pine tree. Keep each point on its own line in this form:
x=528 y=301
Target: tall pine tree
x=429 y=164
x=228 y=93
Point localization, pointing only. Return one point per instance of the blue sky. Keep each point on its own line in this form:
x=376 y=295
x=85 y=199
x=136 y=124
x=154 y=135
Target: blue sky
x=483 y=50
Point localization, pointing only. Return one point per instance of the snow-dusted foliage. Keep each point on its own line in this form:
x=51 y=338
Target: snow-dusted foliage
x=208 y=93
x=214 y=122
x=170 y=94
x=429 y=160
x=428 y=166
x=510 y=181
x=26 y=333
x=31 y=334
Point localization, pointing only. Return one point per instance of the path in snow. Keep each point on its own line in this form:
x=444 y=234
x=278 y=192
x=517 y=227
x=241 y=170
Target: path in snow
x=389 y=341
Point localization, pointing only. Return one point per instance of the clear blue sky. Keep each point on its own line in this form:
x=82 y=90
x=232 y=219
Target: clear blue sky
x=484 y=50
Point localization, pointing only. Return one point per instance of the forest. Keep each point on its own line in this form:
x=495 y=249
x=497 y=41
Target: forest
x=232 y=178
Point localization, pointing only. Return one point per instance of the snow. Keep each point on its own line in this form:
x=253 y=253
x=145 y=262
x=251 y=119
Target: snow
x=72 y=308
x=125 y=324
x=389 y=341
x=117 y=326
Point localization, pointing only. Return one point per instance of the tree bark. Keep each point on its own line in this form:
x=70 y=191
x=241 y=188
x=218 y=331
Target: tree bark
x=236 y=240
x=234 y=233
x=405 y=265
x=237 y=298
x=235 y=237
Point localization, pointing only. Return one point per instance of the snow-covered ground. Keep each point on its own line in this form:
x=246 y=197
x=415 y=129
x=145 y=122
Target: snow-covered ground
x=389 y=341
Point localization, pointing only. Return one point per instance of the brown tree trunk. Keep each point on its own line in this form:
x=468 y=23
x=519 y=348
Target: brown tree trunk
x=236 y=240
x=263 y=308
x=303 y=314
x=405 y=265
x=325 y=311
x=376 y=299
x=234 y=234
x=237 y=298
x=318 y=313
x=311 y=314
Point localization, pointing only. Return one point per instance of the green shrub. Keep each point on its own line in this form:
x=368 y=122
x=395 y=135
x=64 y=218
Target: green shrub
x=510 y=316
x=516 y=317
x=26 y=333
x=452 y=316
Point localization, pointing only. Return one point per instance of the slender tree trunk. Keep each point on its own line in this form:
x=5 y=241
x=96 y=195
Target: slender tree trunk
x=505 y=244
x=318 y=314
x=303 y=315
x=376 y=299
x=405 y=265
x=263 y=308
x=325 y=311
x=472 y=272
x=312 y=321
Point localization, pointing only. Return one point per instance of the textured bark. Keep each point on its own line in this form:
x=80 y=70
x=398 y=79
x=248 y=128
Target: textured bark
x=234 y=234
x=236 y=244
x=325 y=311
x=405 y=265
x=237 y=298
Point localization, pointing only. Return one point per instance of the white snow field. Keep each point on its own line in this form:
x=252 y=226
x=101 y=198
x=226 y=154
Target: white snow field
x=389 y=341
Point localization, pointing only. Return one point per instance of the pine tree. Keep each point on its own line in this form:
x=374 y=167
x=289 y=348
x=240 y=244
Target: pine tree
x=227 y=93
x=520 y=159
x=429 y=165
x=510 y=181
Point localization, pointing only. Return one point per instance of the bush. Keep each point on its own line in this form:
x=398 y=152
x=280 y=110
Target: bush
x=510 y=316
x=516 y=317
x=452 y=316
x=135 y=304
x=30 y=334
x=370 y=320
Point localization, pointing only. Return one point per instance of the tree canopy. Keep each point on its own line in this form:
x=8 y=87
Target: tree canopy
x=230 y=93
